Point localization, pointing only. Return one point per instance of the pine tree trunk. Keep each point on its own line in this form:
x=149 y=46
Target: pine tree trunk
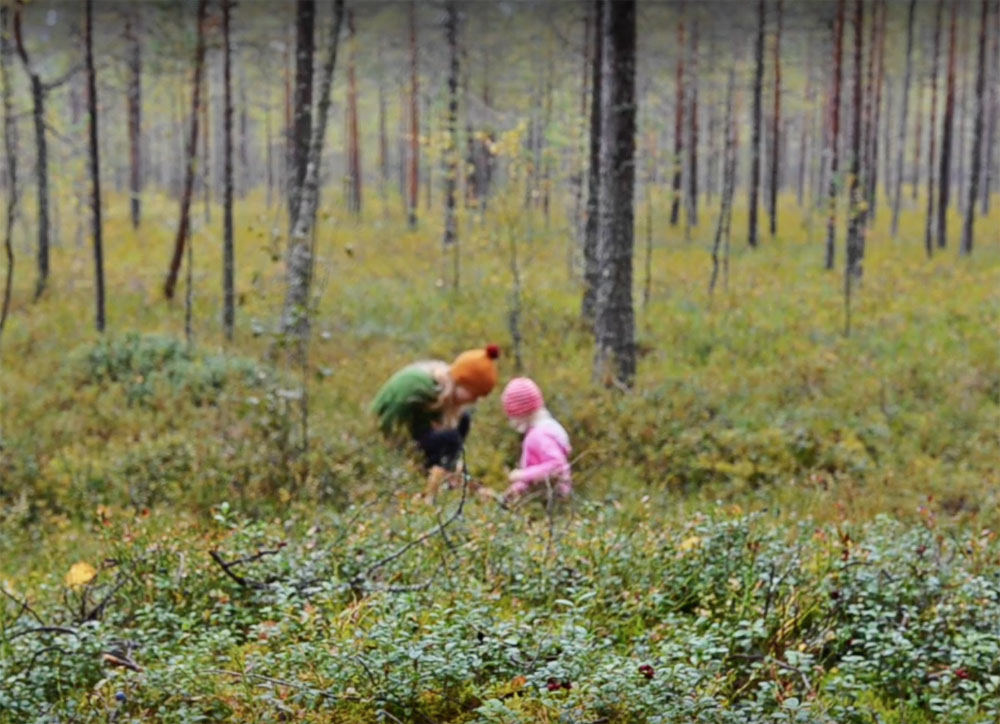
x=41 y=157
x=305 y=46
x=932 y=143
x=991 y=161
x=917 y=143
x=977 y=134
x=353 y=144
x=758 y=80
x=95 y=164
x=692 y=177
x=206 y=151
x=614 y=327
x=383 y=136
x=450 y=241
x=414 y=180
x=944 y=172
x=776 y=126
x=228 y=261
x=184 y=224
x=961 y=116
x=856 y=220
x=10 y=152
x=728 y=183
x=903 y=120
x=246 y=173
x=295 y=312
x=675 y=207
x=877 y=49
x=831 y=219
x=591 y=271
x=133 y=31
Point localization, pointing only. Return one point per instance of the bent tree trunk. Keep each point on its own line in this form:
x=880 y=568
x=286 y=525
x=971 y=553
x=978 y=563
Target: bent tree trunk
x=295 y=314
x=42 y=156
x=184 y=224
x=10 y=151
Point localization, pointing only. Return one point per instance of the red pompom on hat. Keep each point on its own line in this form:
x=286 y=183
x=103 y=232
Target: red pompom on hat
x=521 y=397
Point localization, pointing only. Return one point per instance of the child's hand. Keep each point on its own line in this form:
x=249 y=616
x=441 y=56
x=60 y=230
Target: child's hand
x=514 y=476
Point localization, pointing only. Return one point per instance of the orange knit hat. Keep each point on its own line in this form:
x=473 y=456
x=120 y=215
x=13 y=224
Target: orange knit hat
x=475 y=370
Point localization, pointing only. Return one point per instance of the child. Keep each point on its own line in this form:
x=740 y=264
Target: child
x=545 y=448
x=427 y=399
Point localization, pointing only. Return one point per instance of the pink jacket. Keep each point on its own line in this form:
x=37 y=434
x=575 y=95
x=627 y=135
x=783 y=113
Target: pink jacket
x=544 y=454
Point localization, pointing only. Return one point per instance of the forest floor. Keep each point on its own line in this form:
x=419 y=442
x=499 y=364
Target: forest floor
x=780 y=523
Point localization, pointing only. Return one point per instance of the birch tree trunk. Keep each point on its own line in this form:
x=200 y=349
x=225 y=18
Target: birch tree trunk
x=305 y=48
x=41 y=156
x=977 y=135
x=295 y=314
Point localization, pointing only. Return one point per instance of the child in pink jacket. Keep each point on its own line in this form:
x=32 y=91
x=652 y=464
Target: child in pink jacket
x=545 y=448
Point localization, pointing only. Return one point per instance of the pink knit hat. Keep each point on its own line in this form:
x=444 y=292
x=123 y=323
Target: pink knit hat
x=521 y=397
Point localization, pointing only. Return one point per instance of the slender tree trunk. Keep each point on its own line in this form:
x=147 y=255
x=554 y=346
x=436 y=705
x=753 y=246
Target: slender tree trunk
x=41 y=157
x=591 y=271
x=402 y=145
x=903 y=120
x=247 y=181
x=95 y=163
x=353 y=144
x=133 y=31
x=206 y=150
x=450 y=241
x=295 y=313
x=877 y=49
x=10 y=152
x=932 y=143
x=614 y=327
x=917 y=143
x=383 y=136
x=183 y=226
x=944 y=173
x=977 y=134
x=692 y=178
x=868 y=119
x=961 y=114
x=414 y=189
x=992 y=164
x=228 y=261
x=758 y=80
x=675 y=207
x=728 y=182
x=805 y=148
x=831 y=219
x=305 y=47
x=578 y=187
x=776 y=126
x=855 y=227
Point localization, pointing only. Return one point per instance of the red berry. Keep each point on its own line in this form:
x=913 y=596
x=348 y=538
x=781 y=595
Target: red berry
x=647 y=671
x=567 y=685
x=552 y=684
x=962 y=673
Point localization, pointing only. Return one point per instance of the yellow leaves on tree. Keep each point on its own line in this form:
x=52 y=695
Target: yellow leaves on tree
x=80 y=574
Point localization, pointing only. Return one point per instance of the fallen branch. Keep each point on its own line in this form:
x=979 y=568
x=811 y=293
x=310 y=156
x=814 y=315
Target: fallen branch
x=278 y=682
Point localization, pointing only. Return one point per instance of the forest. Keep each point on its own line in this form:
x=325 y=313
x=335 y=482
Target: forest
x=591 y=361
